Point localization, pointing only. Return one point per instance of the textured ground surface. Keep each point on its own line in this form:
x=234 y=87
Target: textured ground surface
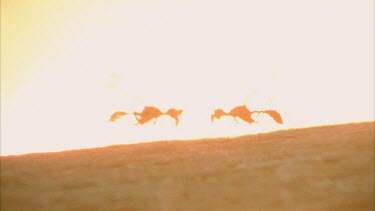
x=322 y=168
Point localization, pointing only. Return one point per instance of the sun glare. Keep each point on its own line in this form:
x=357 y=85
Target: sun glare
x=89 y=74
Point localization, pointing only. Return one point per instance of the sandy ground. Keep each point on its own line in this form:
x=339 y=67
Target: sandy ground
x=320 y=168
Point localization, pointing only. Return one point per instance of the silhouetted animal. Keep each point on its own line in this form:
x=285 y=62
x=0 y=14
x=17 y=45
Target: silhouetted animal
x=244 y=113
x=149 y=113
x=241 y=112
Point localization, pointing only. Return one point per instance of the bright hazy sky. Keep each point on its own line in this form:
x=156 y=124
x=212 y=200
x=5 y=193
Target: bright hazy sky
x=66 y=66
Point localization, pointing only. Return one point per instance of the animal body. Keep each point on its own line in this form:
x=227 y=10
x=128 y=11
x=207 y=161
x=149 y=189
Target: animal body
x=148 y=113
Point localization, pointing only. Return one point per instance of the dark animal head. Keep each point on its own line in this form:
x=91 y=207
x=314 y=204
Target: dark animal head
x=218 y=113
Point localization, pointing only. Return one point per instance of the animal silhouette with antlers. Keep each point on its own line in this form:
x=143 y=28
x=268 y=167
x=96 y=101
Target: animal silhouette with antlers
x=149 y=113
x=243 y=113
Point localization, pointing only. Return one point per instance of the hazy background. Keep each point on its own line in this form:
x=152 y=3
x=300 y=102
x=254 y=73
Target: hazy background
x=67 y=65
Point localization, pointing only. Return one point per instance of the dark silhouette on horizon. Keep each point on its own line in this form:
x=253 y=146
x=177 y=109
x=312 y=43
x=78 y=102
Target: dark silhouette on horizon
x=152 y=113
x=243 y=113
x=149 y=113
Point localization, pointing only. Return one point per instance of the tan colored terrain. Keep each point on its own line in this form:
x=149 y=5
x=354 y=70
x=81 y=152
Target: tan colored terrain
x=320 y=168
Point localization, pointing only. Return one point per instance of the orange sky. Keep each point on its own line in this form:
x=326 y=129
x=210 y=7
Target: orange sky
x=67 y=65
